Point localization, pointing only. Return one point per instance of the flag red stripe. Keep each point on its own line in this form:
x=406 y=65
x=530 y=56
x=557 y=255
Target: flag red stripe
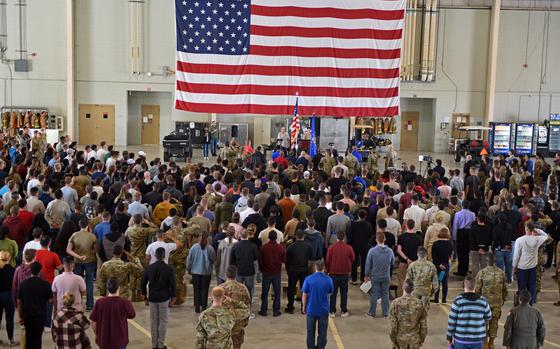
x=285 y=109
x=278 y=51
x=374 y=34
x=329 y=12
x=253 y=69
x=288 y=90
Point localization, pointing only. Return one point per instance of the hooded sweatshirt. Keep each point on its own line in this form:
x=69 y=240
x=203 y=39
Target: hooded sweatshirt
x=22 y=273
x=379 y=261
x=315 y=239
x=526 y=254
x=467 y=318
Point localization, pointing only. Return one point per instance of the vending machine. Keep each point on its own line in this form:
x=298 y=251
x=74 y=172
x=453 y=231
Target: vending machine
x=542 y=139
x=554 y=135
x=500 y=137
x=526 y=135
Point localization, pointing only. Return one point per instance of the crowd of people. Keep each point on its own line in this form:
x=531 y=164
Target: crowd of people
x=140 y=230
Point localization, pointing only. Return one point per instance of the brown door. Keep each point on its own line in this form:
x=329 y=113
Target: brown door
x=410 y=123
x=150 y=124
x=96 y=123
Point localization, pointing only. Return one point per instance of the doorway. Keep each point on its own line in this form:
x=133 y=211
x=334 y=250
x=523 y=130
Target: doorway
x=410 y=124
x=96 y=123
x=150 y=124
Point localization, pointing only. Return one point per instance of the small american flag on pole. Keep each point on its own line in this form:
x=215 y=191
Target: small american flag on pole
x=252 y=56
x=295 y=123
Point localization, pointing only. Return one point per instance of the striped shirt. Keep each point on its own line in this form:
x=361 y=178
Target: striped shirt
x=467 y=319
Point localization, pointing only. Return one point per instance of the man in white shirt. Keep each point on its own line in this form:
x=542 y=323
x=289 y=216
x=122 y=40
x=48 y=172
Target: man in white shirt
x=526 y=257
x=160 y=242
x=34 y=244
x=102 y=151
x=416 y=213
x=444 y=189
x=92 y=153
x=248 y=211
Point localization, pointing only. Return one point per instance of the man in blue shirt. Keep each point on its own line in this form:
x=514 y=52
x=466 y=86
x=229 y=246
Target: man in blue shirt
x=104 y=227
x=316 y=291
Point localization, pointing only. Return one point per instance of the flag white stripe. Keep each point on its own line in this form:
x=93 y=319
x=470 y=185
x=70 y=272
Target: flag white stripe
x=346 y=4
x=287 y=81
x=303 y=22
x=325 y=62
x=325 y=42
x=287 y=100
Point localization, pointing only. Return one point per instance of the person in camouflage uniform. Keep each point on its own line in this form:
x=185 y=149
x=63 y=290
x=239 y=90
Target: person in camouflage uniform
x=351 y=162
x=328 y=161
x=215 y=324
x=538 y=169
x=178 y=257
x=408 y=324
x=139 y=233
x=193 y=232
x=424 y=275
x=373 y=161
x=236 y=291
x=491 y=283
x=123 y=271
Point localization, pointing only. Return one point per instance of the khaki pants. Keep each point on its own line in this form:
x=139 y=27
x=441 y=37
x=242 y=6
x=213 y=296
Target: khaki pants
x=401 y=276
x=477 y=262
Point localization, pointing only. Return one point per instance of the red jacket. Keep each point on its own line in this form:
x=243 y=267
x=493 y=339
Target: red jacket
x=271 y=257
x=27 y=218
x=340 y=257
x=18 y=230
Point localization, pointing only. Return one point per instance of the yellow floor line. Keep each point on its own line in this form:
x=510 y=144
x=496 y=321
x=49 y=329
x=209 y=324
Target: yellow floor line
x=445 y=310
x=335 y=334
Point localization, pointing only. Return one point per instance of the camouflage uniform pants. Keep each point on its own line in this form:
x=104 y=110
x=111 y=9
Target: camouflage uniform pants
x=180 y=270
x=424 y=296
x=493 y=323
x=237 y=337
x=401 y=276
x=135 y=285
x=405 y=346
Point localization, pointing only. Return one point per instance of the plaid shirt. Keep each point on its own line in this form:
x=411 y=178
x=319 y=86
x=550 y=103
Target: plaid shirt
x=69 y=329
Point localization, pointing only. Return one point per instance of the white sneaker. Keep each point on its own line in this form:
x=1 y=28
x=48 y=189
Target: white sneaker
x=252 y=316
x=345 y=315
x=332 y=315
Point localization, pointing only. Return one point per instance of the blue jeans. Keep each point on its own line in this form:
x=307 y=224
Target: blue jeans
x=214 y=143
x=267 y=280
x=467 y=345
x=527 y=280
x=321 y=324
x=504 y=262
x=443 y=284
x=206 y=149
x=249 y=282
x=89 y=270
x=379 y=289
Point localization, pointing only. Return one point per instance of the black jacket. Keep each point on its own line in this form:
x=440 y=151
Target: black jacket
x=360 y=235
x=321 y=216
x=243 y=256
x=161 y=278
x=298 y=255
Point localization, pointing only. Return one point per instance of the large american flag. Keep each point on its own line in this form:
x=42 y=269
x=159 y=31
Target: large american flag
x=252 y=56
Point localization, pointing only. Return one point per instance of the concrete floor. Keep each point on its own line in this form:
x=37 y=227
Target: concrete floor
x=356 y=331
